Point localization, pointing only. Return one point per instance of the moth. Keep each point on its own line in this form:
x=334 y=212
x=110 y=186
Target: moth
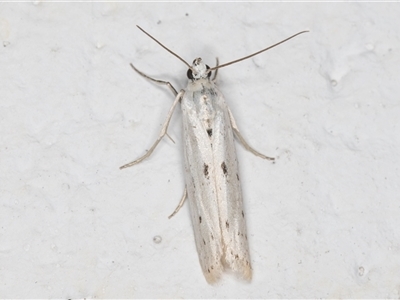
x=211 y=169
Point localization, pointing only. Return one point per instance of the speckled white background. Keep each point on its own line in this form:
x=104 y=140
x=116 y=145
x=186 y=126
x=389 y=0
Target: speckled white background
x=323 y=221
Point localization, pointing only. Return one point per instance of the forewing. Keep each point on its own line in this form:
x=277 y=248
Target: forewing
x=230 y=202
x=202 y=192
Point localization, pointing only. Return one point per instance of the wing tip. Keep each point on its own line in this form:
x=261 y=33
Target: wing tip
x=213 y=276
x=246 y=273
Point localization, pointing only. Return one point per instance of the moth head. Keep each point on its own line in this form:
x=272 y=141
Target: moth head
x=198 y=70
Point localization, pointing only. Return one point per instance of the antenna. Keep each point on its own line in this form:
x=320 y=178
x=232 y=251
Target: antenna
x=226 y=64
x=254 y=54
x=176 y=55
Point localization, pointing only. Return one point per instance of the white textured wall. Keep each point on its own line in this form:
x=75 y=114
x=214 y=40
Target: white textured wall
x=323 y=221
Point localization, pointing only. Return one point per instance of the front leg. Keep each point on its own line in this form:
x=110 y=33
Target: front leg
x=162 y=133
x=173 y=90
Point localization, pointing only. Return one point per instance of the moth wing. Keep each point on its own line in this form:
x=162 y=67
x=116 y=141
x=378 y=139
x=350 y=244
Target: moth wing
x=201 y=192
x=229 y=194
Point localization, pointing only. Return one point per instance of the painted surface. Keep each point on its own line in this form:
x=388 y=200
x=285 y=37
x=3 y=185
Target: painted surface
x=323 y=221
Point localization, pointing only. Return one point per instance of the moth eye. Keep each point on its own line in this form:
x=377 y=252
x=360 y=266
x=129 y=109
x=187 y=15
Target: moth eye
x=189 y=74
x=209 y=73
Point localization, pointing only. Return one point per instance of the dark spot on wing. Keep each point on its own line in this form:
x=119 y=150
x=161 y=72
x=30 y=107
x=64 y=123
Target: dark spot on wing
x=204 y=241
x=213 y=92
x=223 y=166
x=227 y=224
x=206 y=171
x=200 y=219
x=209 y=132
x=194 y=185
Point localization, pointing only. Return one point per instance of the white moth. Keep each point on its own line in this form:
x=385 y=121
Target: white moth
x=211 y=170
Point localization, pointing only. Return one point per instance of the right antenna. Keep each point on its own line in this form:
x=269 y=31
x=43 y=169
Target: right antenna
x=251 y=55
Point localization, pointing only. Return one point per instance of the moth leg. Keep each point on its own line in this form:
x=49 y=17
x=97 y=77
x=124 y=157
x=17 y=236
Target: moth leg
x=216 y=71
x=162 y=133
x=243 y=141
x=173 y=90
x=180 y=204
